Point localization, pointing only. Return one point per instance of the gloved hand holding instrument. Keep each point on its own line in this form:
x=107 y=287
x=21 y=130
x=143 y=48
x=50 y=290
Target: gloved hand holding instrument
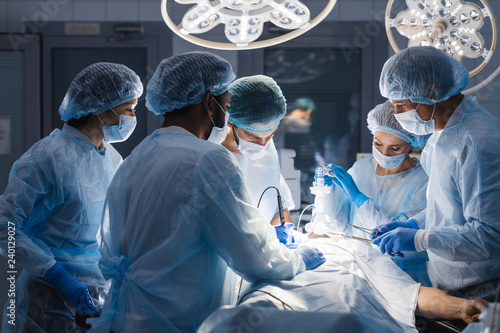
x=345 y=181
x=396 y=235
x=385 y=245
x=284 y=232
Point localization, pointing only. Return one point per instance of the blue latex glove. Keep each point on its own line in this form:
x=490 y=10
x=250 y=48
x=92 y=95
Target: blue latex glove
x=345 y=181
x=285 y=233
x=397 y=240
x=311 y=256
x=328 y=180
x=75 y=291
x=383 y=228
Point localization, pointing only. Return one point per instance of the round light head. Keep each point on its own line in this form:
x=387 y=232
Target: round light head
x=244 y=20
x=449 y=25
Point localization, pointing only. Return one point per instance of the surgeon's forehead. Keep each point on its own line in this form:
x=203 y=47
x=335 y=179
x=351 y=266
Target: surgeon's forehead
x=260 y=135
x=131 y=102
x=400 y=101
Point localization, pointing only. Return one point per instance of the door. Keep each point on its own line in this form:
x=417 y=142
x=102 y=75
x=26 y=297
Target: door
x=20 y=95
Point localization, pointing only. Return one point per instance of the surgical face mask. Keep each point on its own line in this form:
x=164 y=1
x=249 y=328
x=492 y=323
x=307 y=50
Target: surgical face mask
x=218 y=134
x=120 y=132
x=251 y=150
x=413 y=123
x=389 y=162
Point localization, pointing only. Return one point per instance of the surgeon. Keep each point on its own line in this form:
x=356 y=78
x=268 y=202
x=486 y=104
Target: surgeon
x=297 y=120
x=55 y=197
x=388 y=185
x=178 y=212
x=257 y=106
x=460 y=227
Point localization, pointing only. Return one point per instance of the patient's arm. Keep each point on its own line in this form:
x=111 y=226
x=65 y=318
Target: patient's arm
x=436 y=304
x=276 y=219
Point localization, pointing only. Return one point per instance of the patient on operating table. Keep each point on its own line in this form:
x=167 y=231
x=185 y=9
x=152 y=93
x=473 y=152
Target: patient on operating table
x=357 y=288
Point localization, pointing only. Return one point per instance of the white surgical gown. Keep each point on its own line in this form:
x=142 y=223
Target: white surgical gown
x=391 y=197
x=259 y=175
x=55 y=199
x=178 y=215
x=463 y=210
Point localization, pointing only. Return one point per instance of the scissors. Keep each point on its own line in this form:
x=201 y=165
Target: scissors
x=372 y=232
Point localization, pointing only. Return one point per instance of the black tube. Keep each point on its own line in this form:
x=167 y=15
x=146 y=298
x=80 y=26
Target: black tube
x=280 y=204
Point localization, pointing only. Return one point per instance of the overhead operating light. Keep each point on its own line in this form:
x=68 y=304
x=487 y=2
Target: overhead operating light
x=449 y=25
x=243 y=21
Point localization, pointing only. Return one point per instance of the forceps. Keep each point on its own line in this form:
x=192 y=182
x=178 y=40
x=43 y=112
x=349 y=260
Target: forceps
x=372 y=232
x=327 y=231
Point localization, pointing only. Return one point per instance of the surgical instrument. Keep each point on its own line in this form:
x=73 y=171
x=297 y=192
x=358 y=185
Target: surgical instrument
x=373 y=232
x=280 y=204
x=321 y=229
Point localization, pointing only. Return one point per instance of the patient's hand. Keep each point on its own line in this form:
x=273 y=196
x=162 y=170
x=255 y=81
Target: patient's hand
x=471 y=309
x=436 y=304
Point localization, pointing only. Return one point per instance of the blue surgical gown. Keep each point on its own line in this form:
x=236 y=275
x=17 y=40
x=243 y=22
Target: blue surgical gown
x=397 y=196
x=176 y=216
x=463 y=210
x=55 y=199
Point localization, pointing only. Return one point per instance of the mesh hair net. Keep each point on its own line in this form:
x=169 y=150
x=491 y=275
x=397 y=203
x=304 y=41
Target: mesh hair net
x=185 y=79
x=381 y=118
x=303 y=103
x=257 y=103
x=422 y=74
x=98 y=88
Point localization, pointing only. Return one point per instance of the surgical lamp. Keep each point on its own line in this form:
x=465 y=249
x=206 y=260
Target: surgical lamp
x=243 y=21
x=452 y=26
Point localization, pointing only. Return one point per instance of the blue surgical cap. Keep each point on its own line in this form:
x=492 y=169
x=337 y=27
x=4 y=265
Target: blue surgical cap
x=382 y=118
x=422 y=74
x=185 y=79
x=98 y=88
x=257 y=103
x=303 y=103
